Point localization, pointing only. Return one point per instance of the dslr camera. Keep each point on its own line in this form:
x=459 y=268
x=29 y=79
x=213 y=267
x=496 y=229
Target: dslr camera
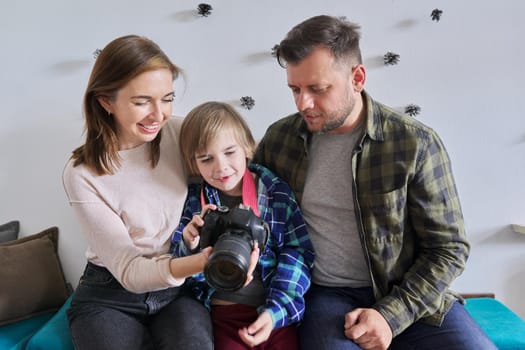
x=232 y=233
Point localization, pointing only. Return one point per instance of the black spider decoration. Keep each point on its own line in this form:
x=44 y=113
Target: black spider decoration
x=96 y=53
x=391 y=58
x=436 y=14
x=274 y=50
x=247 y=102
x=204 y=10
x=412 y=110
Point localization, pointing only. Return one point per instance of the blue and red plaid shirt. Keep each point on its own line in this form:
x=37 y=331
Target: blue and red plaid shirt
x=287 y=260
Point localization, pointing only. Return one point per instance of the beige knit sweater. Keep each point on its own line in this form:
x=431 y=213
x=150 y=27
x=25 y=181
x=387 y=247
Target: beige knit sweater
x=128 y=218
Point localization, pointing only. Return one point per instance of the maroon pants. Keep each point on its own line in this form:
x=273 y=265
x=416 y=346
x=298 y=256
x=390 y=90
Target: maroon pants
x=228 y=319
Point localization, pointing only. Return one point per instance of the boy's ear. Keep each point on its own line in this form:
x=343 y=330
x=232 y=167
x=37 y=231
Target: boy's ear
x=249 y=155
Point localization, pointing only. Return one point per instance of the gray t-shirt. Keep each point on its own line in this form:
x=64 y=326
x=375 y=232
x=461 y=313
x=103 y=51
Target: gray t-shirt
x=328 y=209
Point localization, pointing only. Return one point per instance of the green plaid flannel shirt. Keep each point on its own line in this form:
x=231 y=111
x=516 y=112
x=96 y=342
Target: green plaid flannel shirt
x=406 y=204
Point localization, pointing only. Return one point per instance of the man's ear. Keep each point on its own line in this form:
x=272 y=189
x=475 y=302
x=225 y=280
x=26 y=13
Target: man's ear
x=105 y=103
x=359 y=77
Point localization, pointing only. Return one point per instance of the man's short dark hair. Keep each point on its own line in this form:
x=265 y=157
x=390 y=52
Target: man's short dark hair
x=337 y=34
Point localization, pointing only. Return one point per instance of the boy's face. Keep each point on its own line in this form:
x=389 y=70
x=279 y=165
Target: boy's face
x=223 y=163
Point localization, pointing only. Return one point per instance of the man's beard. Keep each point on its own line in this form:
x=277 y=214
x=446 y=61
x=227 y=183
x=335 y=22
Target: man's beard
x=337 y=118
x=333 y=123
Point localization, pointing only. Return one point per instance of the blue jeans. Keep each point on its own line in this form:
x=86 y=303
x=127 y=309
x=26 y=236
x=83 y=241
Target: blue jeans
x=323 y=323
x=103 y=315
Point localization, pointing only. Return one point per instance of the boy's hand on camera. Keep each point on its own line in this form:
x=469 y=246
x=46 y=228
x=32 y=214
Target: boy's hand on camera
x=190 y=233
x=259 y=331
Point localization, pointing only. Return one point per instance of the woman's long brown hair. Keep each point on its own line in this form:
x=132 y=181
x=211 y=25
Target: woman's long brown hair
x=119 y=62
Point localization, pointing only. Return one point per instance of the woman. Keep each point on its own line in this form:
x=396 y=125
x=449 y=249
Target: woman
x=124 y=184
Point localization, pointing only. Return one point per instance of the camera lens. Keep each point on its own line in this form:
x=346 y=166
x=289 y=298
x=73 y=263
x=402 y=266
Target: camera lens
x=227 y=266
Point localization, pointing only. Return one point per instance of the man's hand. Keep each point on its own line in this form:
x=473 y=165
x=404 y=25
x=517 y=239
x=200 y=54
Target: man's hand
x=257 y=332
x=368 y=329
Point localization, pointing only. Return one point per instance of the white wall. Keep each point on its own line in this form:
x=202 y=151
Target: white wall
x=465 y=71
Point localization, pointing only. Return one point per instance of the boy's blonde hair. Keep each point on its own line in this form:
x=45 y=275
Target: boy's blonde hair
x=203 y=123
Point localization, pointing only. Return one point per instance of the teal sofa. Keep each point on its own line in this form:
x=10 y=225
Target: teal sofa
x=504 y=327
x=44 y=332
x=34 y=298
x=34 y=294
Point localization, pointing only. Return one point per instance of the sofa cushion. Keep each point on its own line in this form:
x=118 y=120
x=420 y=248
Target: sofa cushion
x=9 y=231
x=54 y=334
x=504 y=327
x=33 y=282
x=16 y=333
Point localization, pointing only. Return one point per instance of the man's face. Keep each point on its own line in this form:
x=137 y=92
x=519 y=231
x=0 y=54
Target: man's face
x=324 y=91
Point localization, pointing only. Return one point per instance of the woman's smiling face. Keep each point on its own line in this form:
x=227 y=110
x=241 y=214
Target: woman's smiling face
x=141 y=107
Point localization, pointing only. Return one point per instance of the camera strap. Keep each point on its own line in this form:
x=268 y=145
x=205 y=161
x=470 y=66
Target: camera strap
x=249 y=192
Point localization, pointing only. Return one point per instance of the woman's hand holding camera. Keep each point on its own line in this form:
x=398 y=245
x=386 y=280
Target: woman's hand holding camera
x=187 y=266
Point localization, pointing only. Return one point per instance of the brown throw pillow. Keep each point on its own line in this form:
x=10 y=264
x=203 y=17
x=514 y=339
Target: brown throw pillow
x=31 y=277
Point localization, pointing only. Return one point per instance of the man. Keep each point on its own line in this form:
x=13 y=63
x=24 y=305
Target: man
x=378 y=196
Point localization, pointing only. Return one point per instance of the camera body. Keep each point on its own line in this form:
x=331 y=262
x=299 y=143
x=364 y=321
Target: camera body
x=232 y=233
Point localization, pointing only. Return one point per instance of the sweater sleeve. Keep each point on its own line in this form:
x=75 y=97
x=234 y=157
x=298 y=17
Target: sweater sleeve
x=108 y=238
x=127 y=218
